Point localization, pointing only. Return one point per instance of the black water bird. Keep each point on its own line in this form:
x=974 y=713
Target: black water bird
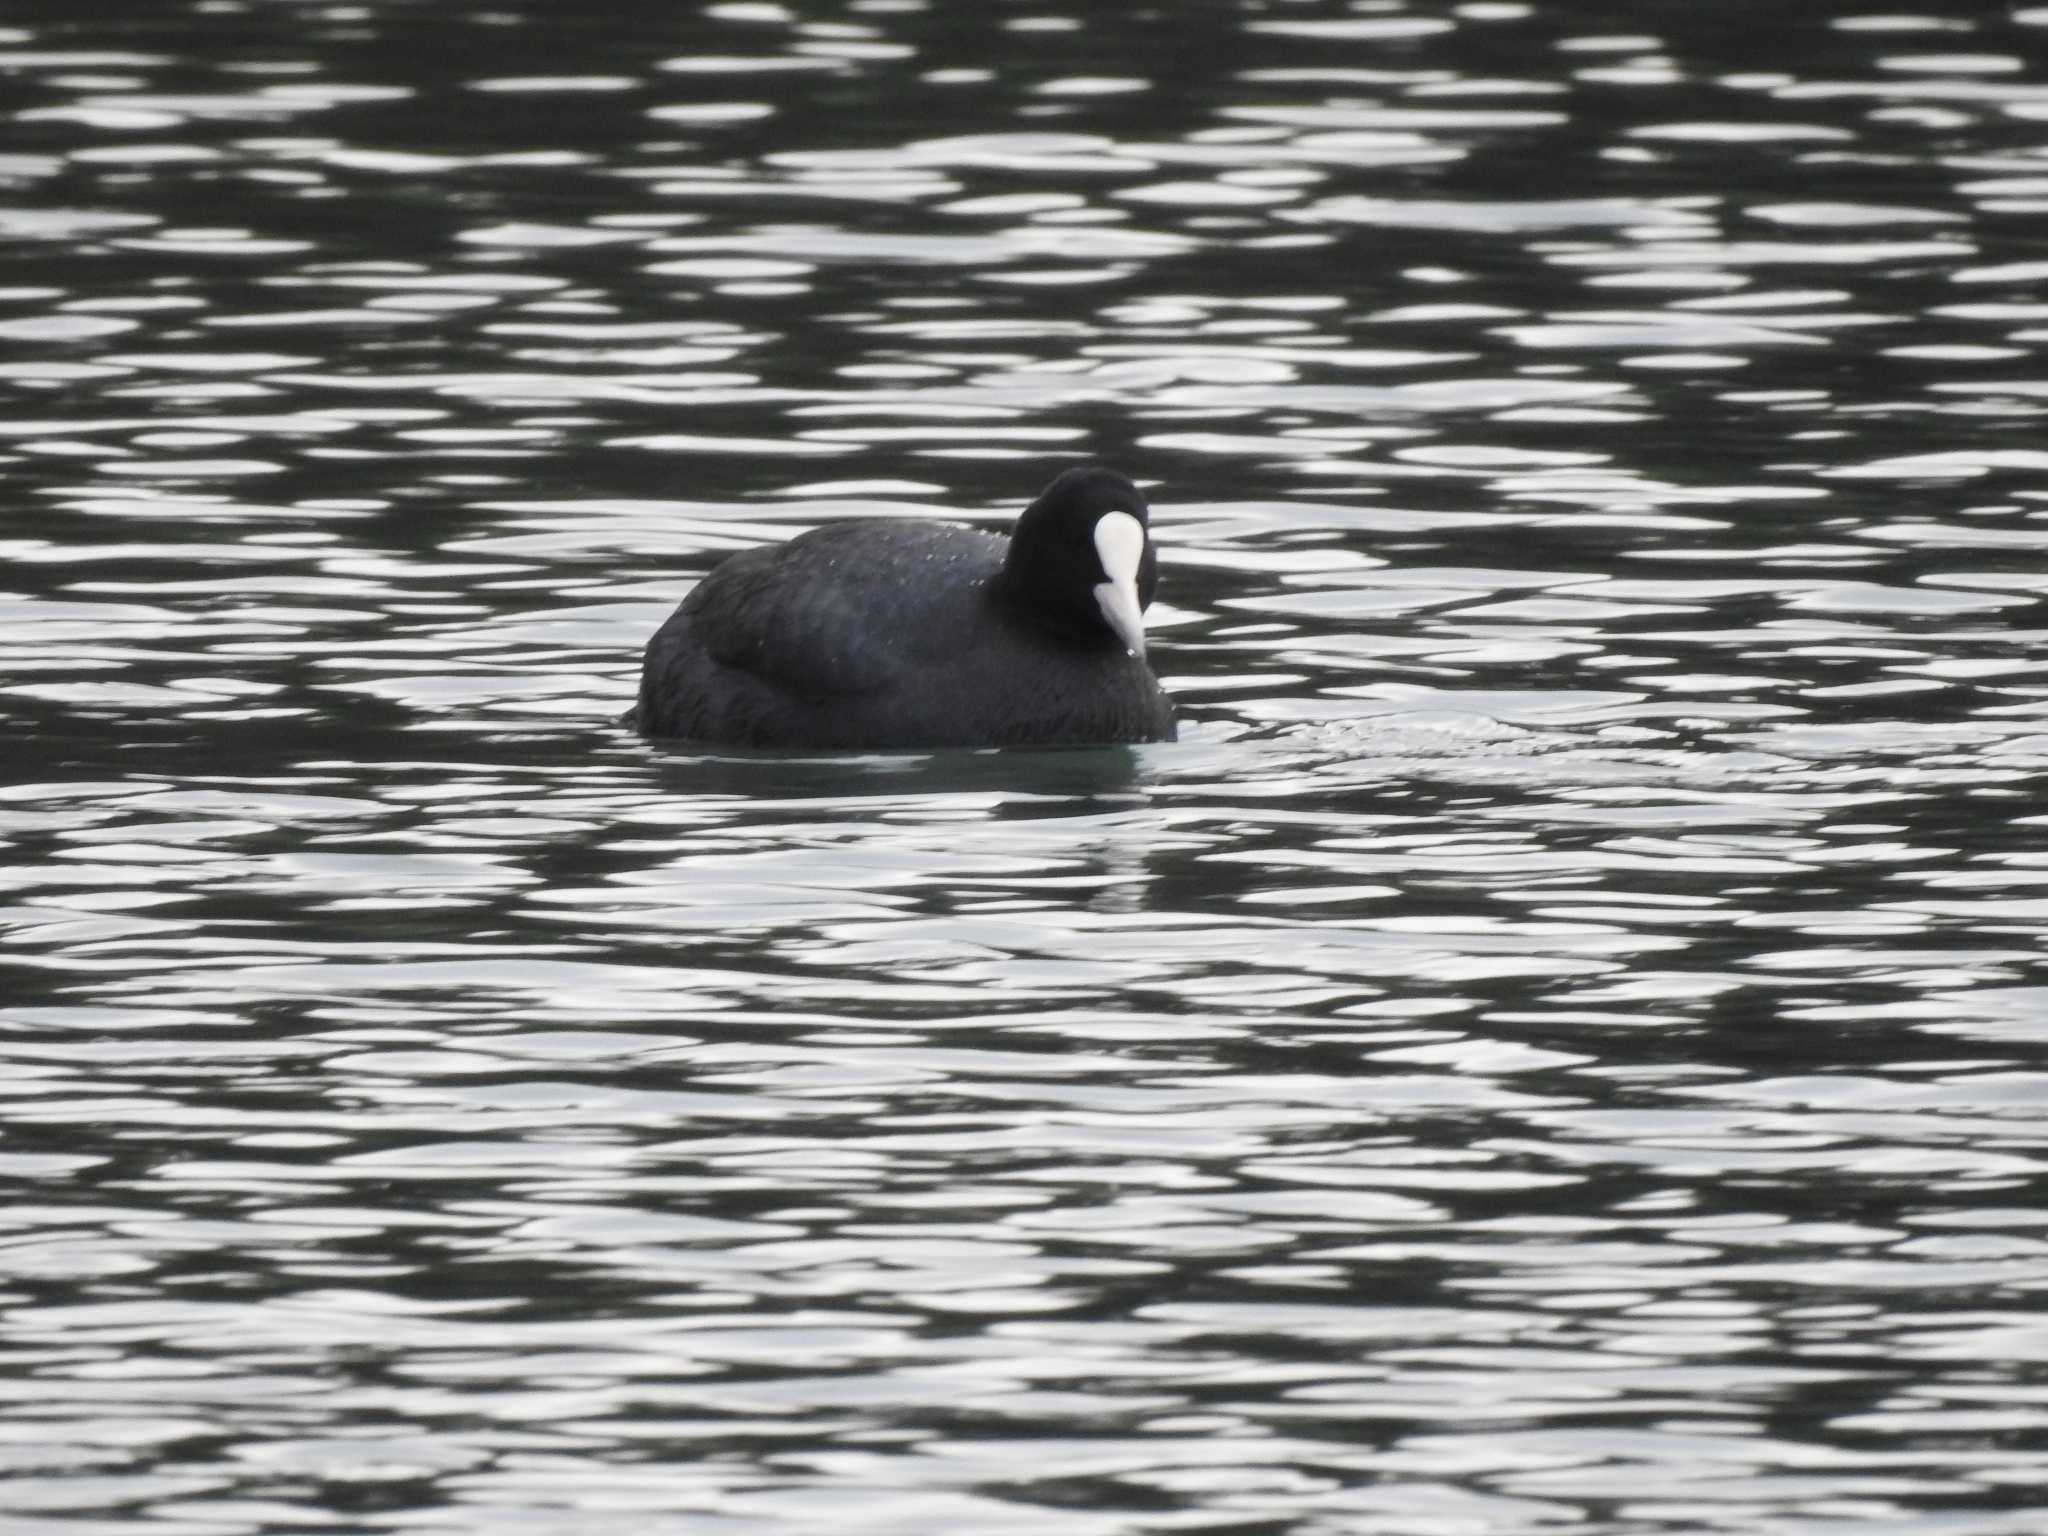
x=885 y=634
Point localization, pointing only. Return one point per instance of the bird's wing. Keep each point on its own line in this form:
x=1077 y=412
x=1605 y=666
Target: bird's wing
x=846 y=609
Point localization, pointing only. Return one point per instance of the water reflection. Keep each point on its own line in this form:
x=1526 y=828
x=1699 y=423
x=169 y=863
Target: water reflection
x=1557 y=1042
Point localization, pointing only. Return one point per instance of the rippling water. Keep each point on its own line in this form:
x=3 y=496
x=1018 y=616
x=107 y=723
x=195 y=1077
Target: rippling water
x=1558 y=1044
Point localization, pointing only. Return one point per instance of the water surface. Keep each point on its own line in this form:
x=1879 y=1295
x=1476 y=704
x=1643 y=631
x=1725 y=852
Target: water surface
x=1558 y=1044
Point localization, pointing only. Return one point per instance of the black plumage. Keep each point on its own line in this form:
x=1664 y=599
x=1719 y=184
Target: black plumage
x=881 y=634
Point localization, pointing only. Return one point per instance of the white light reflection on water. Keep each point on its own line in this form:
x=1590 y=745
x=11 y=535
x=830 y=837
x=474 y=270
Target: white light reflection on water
x=1559 y=1042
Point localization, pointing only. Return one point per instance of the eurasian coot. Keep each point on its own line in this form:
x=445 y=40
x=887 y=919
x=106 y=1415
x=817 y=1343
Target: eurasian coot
x=883 y=634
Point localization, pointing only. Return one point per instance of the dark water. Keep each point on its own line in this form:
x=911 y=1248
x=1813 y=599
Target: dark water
x=1559 y=1045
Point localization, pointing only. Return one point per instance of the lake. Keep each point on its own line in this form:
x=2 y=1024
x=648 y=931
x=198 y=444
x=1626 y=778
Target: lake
x=1561 y=1042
